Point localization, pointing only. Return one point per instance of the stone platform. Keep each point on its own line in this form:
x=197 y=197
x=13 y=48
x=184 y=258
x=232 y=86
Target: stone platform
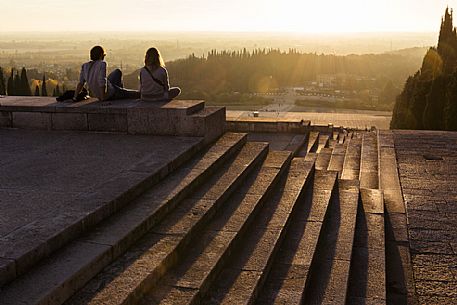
x=288 y=213
x=52 y=184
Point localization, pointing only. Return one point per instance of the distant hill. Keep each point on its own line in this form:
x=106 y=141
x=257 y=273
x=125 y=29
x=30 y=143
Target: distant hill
x=417 y=52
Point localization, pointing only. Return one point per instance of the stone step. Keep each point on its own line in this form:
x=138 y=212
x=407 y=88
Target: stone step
x=244 y=275
x=369 y=161
x=329 y=274
x=113 y=236
x=323 y=142
x=337 y=158
x=323 y=158
x=24 y=247
x=367 y=281
x=400 y=281
x=297 y=145
x=191 y=278
x=342 y=137
x=313 y=141
x=281 y=141
x=287 y=280
x=138 y=270
x=351 y=164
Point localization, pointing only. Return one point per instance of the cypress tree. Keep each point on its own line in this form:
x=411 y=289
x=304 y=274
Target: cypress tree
x=37 y=90
x=429 y=99
x=25 y=86
x=10 y=86
x=2 y=83
x=54 y=92
x=450 y=110
x=403 y=117
x=447 y=42
x=44 y=91
x=57 y=90
x=17 y=85
x=434 y=109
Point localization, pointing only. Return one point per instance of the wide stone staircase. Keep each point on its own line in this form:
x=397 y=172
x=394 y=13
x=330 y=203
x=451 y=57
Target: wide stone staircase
x=237 y=223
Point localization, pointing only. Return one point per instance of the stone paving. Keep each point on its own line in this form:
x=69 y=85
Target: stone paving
x=348 y=120
x=427 y=164
x=46 y=174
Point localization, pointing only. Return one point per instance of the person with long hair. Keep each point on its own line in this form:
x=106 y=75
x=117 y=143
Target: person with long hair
x=104 y=88
x=154 y=82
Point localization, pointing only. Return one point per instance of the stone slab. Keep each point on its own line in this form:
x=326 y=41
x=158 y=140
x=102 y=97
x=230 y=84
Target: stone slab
x=32 y=120
x=7 y=270
x=5 y=119
x=426 y=165
x=278 y=141
x=187 y=106
x=33 y=287
x=69 y=121
x=107 y=122
x=373 y=201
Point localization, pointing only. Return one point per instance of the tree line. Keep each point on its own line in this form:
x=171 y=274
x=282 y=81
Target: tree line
x=429 y=97
x=220 y=72
x=17 y=84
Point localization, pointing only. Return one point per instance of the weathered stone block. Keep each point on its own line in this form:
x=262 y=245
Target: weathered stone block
x=264 y=126
x=5 y=119
x=214 y=124
x=7 y=270
x=69 y=121
x=107 y=122
x=373 y=201
x=150 y=121
x=32 y=120
x=209 y=123
x=184 y=106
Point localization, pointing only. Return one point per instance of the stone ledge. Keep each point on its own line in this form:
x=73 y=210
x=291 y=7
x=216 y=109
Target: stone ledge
x=176 y=117
x=49 y=104
x=262 y=124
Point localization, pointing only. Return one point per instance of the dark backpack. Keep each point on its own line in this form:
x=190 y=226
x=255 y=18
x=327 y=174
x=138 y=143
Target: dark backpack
x=69 y=94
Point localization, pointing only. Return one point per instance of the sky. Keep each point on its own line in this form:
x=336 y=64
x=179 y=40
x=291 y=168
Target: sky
x=316 y=16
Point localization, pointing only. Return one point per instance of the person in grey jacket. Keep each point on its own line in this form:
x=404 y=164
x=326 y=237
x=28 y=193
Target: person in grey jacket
x=104 y=88
x=154 y=82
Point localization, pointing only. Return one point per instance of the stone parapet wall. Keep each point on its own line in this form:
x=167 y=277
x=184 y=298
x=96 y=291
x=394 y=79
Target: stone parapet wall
x=268 y=125
x=177 y=117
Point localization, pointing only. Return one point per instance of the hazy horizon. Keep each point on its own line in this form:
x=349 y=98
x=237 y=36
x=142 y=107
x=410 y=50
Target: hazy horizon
x=185 y=43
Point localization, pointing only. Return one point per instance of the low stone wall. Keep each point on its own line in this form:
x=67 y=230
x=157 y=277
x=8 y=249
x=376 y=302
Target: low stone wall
x=177 y=117
x=268 y=125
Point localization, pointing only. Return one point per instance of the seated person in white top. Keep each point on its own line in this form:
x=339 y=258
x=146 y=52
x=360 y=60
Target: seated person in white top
x=154 y=83
x=104 y=88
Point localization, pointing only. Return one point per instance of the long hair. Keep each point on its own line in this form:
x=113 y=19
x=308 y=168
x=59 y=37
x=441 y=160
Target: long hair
x=153 y=58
